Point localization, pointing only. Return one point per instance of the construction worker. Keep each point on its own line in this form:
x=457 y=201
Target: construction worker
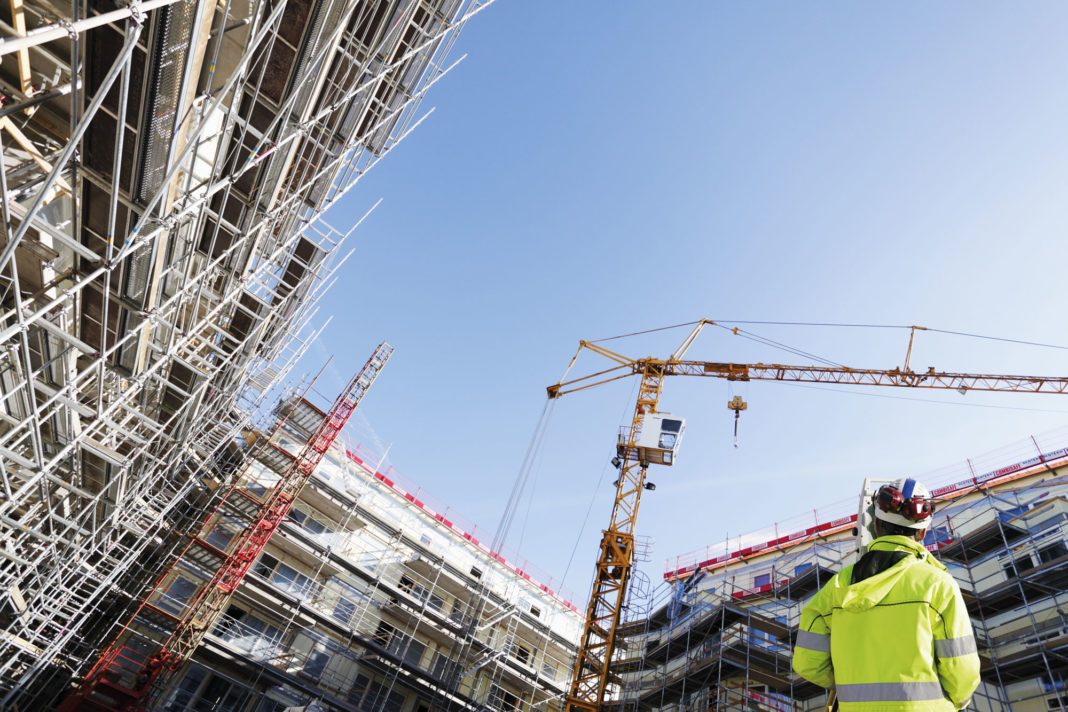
x=891 y=633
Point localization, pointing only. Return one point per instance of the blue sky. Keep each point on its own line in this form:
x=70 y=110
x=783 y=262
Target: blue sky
x=595 y=169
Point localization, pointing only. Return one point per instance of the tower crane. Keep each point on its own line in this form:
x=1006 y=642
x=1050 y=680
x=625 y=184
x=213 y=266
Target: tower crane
x=653 y=438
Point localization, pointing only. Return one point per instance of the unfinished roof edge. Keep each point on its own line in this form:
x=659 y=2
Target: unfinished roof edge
x=945 y=483
x=557 y=593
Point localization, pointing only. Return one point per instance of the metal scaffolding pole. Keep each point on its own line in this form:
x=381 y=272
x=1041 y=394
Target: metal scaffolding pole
x=157 y=274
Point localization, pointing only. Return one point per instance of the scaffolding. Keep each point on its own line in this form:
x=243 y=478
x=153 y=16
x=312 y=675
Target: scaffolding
x=1008 y=550
x=510 y=644
x=716 y=641
x=166 y=167
x=718 y=633
x=367 y=596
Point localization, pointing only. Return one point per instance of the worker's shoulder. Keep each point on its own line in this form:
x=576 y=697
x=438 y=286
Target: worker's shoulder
x=840 y=580
x=832 y=590
x=926 y=580
x=947 y=584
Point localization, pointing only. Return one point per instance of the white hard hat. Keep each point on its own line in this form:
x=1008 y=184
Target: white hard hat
x=904 y=502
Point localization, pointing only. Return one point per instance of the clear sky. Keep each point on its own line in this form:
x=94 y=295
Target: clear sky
x=595 y=169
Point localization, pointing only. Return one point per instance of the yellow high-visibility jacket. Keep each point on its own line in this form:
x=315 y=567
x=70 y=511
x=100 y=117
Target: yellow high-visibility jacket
x=899 y=640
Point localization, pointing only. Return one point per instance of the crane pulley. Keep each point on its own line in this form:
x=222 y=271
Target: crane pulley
x=592 y=672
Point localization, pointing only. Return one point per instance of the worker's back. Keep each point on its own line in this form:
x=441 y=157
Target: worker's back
x=890 y=633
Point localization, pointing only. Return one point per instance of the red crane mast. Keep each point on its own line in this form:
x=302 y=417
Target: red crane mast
x=101 y=692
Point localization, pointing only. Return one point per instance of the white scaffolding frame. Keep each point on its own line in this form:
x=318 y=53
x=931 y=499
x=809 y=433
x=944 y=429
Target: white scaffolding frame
x=136 y=349
x=411 y=616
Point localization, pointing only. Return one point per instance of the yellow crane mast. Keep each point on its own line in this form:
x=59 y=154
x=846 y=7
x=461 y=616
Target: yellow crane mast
x=637 y=448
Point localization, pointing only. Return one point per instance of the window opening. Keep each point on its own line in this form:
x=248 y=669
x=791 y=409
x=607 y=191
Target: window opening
x=521 y=653
x=177 y=595
x=316 y=662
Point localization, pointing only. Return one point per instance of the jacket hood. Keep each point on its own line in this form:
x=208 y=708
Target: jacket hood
x=865 y=594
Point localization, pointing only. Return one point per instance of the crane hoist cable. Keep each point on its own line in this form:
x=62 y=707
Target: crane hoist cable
x=643 y=445
x=520 y=484
x=932 y=329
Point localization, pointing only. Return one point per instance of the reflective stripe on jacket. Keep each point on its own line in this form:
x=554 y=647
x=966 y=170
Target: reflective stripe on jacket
x=898 y=641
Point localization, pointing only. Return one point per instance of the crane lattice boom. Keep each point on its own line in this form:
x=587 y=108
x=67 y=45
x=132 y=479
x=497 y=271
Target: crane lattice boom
x=819 y=374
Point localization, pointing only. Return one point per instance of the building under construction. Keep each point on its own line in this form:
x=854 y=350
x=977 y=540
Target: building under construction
x=371 y=595
x=166 y=169
x=718 y=634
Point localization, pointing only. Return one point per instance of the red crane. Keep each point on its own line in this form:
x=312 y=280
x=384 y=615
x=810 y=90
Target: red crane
x=102 y=689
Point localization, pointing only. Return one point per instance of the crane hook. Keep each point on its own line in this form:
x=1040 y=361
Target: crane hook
x=737 y=405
